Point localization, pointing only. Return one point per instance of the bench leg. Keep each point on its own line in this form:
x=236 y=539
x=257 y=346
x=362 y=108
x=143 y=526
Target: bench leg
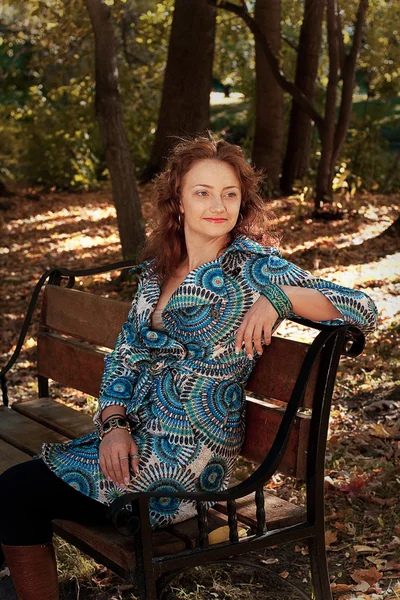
x=319 y=567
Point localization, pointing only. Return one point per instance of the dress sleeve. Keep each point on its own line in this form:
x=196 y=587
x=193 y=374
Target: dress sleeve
x=356 y=307
x=120 y=372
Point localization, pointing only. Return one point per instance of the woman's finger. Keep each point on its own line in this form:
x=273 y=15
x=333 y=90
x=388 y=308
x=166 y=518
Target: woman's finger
x=110 y=468
x=239 y=336
x=248 y=340
x=103 y=466
x=124 y=462
x=257 y=333
x=267 y=334
x=118 y=467
x=134 y=461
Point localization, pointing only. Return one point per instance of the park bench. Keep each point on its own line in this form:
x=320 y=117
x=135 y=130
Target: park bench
x=288 y=405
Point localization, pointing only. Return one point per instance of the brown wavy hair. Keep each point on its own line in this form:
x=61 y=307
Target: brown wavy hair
x=166 y=242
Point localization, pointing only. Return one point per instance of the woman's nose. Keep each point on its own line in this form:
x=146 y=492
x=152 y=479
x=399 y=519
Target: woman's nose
x=217 y=204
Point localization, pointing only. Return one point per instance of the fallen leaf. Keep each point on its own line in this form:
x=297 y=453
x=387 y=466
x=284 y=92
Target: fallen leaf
x=386 y=432
x=355 y=597
x=330 y=537
x=370 y=576
x=284 y=574
x=392 y=565
x=362 y=549
x=348 y=528
x=269 y=561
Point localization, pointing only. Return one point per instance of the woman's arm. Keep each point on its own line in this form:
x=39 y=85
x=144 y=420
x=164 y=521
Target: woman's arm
x=118 y=379
x=352 y=306
x=113 y=409
x=311 y=304
x=288 y=291
x=119 y=376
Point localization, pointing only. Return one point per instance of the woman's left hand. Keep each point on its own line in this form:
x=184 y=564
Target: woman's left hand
x=259 y=319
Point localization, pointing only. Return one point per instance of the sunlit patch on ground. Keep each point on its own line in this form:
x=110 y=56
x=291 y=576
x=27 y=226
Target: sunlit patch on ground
x=220 y=98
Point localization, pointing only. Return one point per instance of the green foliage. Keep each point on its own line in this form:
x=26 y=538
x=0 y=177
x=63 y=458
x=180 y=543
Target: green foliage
x=142 y=30
x=60 y=148
x=234 y=53
x=49 y=133
x=50 y=118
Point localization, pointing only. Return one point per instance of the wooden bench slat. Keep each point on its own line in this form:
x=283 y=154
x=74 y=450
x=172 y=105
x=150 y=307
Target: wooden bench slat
x=275 y=372
x=70 y=362
x=110 y=544
x=262 y=423
x=98 y=541
x=55 y=415
x=10 y=456
x=25 y=434
x=279 y=513
x=82 y=315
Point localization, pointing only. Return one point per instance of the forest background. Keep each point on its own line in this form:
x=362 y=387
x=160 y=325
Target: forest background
x=92 y=93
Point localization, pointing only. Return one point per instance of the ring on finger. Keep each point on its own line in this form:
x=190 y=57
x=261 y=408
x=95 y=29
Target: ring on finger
x=134 y=455
x=122 y=457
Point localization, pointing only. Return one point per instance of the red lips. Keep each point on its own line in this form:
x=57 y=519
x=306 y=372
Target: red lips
x=216 y=220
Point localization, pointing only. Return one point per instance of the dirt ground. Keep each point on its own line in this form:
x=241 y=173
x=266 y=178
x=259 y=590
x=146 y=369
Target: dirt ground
x=363 y=455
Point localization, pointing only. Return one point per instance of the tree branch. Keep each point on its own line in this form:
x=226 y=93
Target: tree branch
x=288 y=86
x=130 y=57
x=289 y=42
x=342 y=51
x=349 y=77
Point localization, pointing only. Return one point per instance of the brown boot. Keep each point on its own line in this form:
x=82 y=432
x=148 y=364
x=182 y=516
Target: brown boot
x=33 y=570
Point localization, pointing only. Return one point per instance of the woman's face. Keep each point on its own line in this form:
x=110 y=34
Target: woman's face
x=210 y=198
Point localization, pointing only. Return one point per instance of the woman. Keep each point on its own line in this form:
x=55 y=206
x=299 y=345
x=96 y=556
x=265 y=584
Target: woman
x=170 y=413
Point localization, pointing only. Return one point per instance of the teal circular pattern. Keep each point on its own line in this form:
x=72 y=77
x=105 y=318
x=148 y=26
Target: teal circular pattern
x=257 y=272
x=213 y=475
x=173 y=454
x=88 y=452
x=165 y=507
x=167 y=396
x=79 y=479
x=209 y=406
x=121 y=387
x=211 y=277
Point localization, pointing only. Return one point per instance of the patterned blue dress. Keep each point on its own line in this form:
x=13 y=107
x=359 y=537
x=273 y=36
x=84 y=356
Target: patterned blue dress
x=183 y=386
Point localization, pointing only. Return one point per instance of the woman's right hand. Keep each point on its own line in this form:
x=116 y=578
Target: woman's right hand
x=114 y=445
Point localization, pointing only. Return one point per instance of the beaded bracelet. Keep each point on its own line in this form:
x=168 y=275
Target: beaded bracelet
x=113 y=422
x=279 y=300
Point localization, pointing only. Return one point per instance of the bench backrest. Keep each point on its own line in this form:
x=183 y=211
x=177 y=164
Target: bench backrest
x=77 y=328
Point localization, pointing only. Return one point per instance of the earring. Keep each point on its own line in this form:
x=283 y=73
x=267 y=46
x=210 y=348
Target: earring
x=179 y=220
x=241 y=216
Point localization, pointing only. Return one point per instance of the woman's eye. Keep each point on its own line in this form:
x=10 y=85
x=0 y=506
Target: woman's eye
x=201 y=192
x=232 y=194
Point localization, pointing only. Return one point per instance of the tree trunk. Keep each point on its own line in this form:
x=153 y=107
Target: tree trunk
x=109 y=112
x=334 y=137
x=349 y=78
x=269 y=126
x=330 y=139
x=298 y=147
x=325 y=167
x=185 y=103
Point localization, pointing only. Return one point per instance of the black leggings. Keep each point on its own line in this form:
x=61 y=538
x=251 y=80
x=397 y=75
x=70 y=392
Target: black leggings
x=31 y=495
